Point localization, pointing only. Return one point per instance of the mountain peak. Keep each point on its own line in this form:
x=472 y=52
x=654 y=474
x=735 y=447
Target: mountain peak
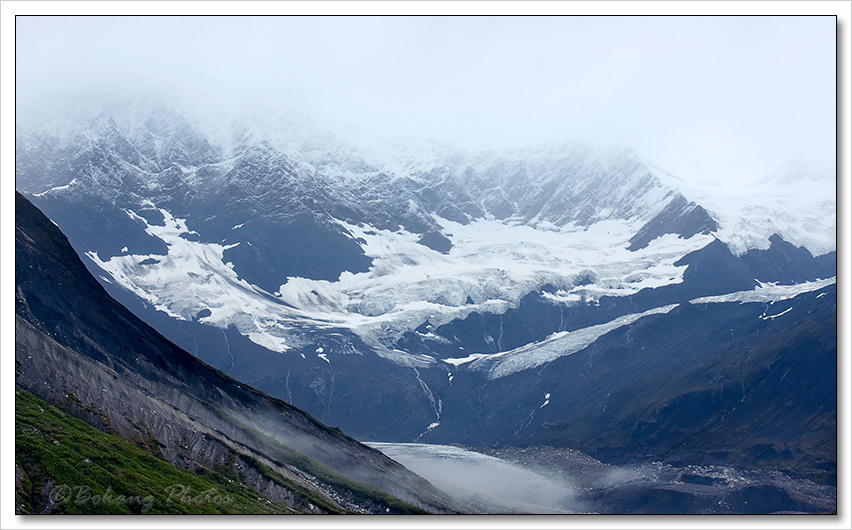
x=369 y=180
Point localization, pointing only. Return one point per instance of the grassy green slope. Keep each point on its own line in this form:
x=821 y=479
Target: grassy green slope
x=66 y=466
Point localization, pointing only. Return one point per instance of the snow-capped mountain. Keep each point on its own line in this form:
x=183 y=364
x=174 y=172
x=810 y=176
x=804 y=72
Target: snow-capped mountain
x=295 y=224
x=372 y=281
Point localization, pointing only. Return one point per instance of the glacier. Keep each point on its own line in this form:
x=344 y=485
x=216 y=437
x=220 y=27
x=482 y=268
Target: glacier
x=491 y=266
x=515 y=220
x=564 y=343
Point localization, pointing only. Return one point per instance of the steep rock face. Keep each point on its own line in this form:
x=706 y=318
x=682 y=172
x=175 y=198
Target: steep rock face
x=276 y=216
x=714 y=269
x=82 y=351
x=786 y=263
x=679 y=217
x=571 y=184
x=168 y=141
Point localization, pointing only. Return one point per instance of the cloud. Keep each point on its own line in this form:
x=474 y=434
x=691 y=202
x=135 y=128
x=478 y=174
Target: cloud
x=708 y=98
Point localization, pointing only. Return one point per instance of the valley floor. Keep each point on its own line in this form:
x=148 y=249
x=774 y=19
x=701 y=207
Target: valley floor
x=547 y=480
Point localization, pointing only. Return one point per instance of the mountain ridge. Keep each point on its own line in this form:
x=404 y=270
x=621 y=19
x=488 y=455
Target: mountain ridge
x=82 y=351
x=344 y=163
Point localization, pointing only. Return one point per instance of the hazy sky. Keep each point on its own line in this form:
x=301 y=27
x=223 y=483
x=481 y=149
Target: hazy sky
x=712 y=98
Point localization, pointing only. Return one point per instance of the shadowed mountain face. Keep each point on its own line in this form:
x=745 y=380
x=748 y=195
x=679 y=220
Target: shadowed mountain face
x=703 y=383
x=83 y=352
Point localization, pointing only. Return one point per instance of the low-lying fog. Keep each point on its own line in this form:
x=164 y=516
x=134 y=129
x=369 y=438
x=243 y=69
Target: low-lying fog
x=552 y=480
x=485 y=482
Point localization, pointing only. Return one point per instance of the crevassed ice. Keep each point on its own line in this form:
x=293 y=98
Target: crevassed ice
x=491 y=266
x=566 y=343
x=768 y=292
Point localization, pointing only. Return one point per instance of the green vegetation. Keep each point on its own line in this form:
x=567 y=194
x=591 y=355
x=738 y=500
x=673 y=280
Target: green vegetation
x=67 y=466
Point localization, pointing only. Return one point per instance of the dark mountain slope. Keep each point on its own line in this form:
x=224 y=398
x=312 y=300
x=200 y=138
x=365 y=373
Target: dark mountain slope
x=783 y=262
x=751 y=384
x=678 y=217
x=83 y=352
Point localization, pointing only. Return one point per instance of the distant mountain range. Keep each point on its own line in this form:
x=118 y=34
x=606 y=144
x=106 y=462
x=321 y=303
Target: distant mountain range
x=569 y=295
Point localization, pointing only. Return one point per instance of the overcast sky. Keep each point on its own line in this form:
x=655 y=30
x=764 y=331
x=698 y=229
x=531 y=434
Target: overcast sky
x=716 y=98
